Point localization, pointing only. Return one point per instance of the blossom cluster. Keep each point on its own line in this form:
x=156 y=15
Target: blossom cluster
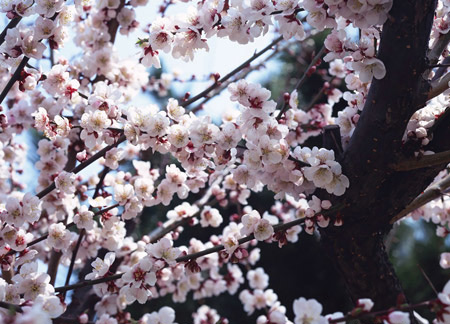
x=185 y=33
x=441 y=23
x=29 y=284
x=85 y=106
x=418 y=128
x=50 y=24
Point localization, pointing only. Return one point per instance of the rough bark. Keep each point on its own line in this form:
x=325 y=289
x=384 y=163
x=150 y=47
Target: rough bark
x=376 y=192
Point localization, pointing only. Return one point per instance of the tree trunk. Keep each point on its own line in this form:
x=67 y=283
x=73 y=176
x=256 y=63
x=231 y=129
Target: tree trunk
x=377 y=193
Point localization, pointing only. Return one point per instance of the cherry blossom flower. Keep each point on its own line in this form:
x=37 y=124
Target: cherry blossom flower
x=106 y=319
x=84 y=218
x=95 y=121
x=161 y=37
x=137 y=280
x=263 y=230
x=186 y=42
x=122 y=193
x=58 y=236
x=369 y=68
x=49 y=7
x=365 y=303
x=163 y=249
x=308 y=311
x=44 y=27
x=230 y=243
x=257 y=299
x=101 y=267
x=14 y=212
x=165 y=315
x=113 y=157
x=445 y=260
x=397 y=317
x=210 y=217
x=16 y=238
x=178 y=135
x=65 y=182
x=205 y=313
x=36 y=284
x=258 y=279
x=31 y=46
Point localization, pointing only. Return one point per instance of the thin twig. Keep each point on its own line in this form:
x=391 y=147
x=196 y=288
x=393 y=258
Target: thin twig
x=303 y=78
x=427 y=279
x=84 y=164
x=51 y=56
x=229 y=75
x=317 y=96
x=244 y=73
x=85 y=283
x=83 y=231
x=74 y=256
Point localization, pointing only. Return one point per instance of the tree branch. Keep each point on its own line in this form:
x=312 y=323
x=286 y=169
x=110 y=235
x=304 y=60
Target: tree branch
x=432 y=192
x=12 y=23
x=441 y=44
x=438 y=86
x=442 y=68
x=70 y=225
x=84 y=164
x=74 y=256
x=277 y=228
x=53 y=264
x=14 y=78
x=14 y=307
x=373 y=315
x=424 y=161
x=55 y=256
